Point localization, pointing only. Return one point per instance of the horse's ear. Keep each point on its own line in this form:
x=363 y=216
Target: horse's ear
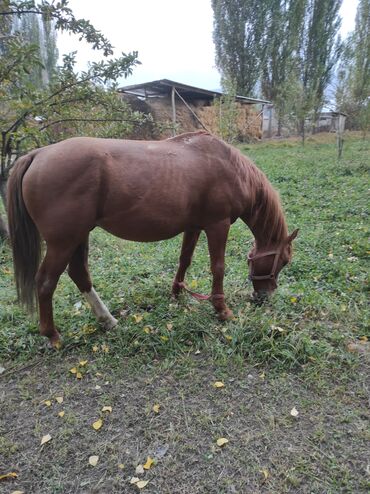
x=293 y=235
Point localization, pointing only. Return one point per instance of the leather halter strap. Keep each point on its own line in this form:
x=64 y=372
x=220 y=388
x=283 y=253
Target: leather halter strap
x=270 y=276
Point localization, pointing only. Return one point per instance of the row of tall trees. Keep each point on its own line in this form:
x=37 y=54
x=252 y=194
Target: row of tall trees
x=287 y=51
x=41 y=102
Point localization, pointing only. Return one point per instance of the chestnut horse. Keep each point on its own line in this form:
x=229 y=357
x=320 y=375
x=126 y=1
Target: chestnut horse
x=143 y=191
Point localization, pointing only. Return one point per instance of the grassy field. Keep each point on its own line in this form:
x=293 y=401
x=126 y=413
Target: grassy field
x=292 y=352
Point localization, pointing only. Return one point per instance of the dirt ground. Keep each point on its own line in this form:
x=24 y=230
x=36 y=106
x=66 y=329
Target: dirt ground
x=286 y=433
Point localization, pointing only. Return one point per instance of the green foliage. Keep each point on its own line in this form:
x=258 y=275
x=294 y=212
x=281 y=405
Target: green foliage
x=354 y=72
x=72 y=103
x=227 y=111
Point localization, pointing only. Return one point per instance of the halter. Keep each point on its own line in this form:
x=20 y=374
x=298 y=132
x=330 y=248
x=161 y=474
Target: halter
x=270 y=276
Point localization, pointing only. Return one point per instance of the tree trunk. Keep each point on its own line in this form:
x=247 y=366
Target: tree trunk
x=4 y=234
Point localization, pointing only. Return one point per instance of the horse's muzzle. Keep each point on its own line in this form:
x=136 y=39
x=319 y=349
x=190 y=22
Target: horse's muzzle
x=260 y=297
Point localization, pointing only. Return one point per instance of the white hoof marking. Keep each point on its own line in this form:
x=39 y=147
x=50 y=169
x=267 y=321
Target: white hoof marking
x=100 y=309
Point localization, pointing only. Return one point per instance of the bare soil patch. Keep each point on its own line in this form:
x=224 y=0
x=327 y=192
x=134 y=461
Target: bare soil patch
x=323 y=449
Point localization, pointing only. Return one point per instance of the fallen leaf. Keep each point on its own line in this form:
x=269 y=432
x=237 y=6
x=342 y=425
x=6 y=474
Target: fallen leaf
x=17 y=492
x=97 y=387
x=59 y=399
x=222 y=441
x=2 y=369
x=265 y=473
x=294 y=412
x=149 y=463
x=193 y=284
x=10 y=475
x=121 y=466
x=79 y=375
x=139 y=469
x=73 y=370
x=93 y=460
x=83 y=363
x=228 y=337
x=219 y=384
x=138 y=318
x=95 y=348
x=98 y=424
x=61 y=414
x=45 y=439
x=47 y=403
x=164 y=338
x=134 y=480
x=105 y=348
x=107 y=409
x=147 y=330
x=293 y=300
x=156 y=408
x=169 y=326
x=142 y=483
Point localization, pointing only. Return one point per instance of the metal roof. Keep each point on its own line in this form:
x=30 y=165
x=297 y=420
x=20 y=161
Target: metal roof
x=163 y=87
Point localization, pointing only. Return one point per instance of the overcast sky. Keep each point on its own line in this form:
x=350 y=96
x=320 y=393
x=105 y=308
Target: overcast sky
x=173 y=38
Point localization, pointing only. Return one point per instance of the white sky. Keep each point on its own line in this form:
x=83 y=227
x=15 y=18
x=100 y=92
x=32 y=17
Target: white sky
x=173 y=38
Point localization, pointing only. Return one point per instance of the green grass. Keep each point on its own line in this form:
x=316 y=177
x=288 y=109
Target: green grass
x=319 y=307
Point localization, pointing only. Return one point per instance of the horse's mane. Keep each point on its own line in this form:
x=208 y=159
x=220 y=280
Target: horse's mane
x=265 y=206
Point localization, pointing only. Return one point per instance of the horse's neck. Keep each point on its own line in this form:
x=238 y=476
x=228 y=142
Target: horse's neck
x=267 y=221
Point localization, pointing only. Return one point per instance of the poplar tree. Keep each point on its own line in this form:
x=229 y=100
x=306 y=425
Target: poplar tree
x=239 y=41
x=353 y=92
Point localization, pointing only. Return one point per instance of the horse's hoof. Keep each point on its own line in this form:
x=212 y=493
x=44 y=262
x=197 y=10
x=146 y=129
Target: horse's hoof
x=109 y=323
x=55 y=342
x=225 y=314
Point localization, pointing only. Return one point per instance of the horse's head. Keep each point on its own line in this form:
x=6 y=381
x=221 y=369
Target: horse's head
x=265 y=265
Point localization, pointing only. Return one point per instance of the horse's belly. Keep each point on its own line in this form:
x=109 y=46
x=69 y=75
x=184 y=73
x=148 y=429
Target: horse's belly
x=142 y=230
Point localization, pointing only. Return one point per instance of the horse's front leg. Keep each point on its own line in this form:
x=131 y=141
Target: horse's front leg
x=217 y=237
x=189 y=242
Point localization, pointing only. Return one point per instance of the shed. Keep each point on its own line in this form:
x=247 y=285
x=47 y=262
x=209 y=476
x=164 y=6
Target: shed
x=177 y=107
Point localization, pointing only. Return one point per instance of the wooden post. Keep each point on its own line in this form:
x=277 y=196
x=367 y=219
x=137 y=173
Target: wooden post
x=341 y=121
x=173 y=93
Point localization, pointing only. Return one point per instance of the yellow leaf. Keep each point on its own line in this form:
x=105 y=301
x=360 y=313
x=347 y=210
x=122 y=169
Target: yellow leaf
x=193 y=284
x=57 y=345
x=363 y=339
x=61 y=414
x=228 y=337
x=59 y=399
x=45 y=439
x=262 y=376
x=10 y=475
x=83 y=363
x=138 y=318
x=93 y=460
x=293 y=300
x=219 y=384
x=121 y=466
x=164 y=338
x=47 y=403
x=222 y=441
x=95 y=348
x=97 y=425
x=147 y=330
x=142 y=483
x=294 y=412
x=73 y=370
x=105 y=348
x=79 y=375
x=156 y=408
x=169 y=326
x=107 y=409
x=149 y=463
x=265 y=473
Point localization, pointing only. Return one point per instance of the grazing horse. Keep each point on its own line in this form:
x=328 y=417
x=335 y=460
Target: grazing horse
x=143 y=191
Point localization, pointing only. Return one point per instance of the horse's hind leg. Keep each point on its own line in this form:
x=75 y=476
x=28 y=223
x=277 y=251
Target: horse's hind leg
x=79 y=272
x=189 y=242
x=217 y=237
x=53 y=265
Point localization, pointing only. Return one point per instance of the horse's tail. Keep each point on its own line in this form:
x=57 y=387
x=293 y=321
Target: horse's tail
x=24 y=236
